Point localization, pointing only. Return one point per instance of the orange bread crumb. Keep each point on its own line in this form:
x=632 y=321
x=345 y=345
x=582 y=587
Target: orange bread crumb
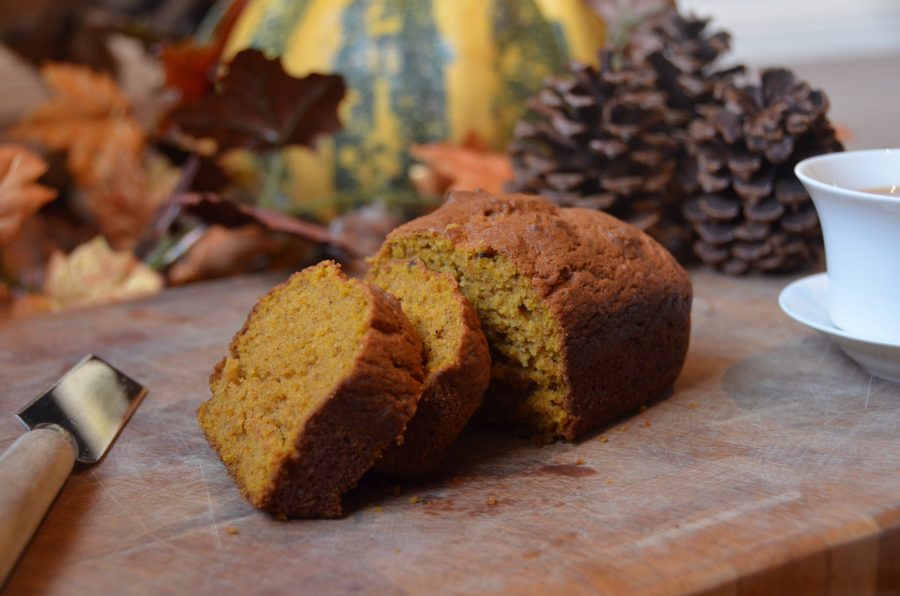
x=457 y=363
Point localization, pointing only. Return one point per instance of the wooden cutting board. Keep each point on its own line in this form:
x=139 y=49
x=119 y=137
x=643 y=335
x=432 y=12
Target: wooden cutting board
x=774 y=466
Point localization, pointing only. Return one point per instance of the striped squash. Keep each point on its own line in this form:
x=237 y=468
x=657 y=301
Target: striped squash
x=417 y=71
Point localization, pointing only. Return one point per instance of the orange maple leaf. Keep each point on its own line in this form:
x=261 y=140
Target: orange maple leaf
x=20 y=196
x=88 y=114
x=190 y=66
x=465 y=166
x=127 y=192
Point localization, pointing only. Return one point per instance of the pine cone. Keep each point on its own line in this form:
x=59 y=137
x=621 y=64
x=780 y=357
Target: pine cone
x=599 y=139
x=614 y=139
x=753 y=214
x=684 y=56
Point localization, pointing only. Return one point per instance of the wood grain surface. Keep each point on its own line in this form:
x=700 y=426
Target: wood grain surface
x=774 y=467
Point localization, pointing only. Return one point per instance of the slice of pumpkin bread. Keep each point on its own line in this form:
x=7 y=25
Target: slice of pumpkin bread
x=587 y=317
x=321 y=379
x=457 y=363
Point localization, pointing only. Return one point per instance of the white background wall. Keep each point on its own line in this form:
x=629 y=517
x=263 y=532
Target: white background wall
x=848 y=48
x=798 y=31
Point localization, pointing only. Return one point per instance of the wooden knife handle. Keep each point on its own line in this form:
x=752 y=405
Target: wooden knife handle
x=32 y=471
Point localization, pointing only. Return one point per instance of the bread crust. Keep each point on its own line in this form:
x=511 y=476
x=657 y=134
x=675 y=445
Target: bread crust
x=622 y=301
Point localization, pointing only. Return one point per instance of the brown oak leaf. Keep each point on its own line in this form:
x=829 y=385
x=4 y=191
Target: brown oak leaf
x=87 y=115
x=260 y=106
x=95 y=274
x=20 y=196
x=466 y=166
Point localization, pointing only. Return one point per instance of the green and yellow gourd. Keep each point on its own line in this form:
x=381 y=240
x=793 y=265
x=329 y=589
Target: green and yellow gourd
x=418 y=71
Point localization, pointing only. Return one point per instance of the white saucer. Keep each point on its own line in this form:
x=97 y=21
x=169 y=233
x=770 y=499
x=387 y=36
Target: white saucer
x=806 y=301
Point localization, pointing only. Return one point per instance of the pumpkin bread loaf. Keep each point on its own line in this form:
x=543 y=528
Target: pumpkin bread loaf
x=457 y=362
x=321 y=379
x=587 y=317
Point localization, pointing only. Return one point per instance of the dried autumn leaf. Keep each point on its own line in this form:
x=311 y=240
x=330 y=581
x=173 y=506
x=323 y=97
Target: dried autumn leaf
x=20 y=196
x=25 y=258
x=87 y=115
x=364 y=229
x=6 y=296
x=222 y=251
x=94 y=274
x=30 y=304
x=127 y=193
x=613 y=11
x=90 y=117
x=214 y=209
x=844 y=133
x=42 y=31
x=467 y=166
x=260 y=106
x=622 y=16
x=190 y=66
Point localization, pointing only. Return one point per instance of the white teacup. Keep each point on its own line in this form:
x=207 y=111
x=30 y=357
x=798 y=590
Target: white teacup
x=862 y=237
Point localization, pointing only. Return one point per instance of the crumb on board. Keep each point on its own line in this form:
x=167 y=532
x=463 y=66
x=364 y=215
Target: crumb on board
x=378 y=508
x=579 y=461
x=231 y=530
x=604 y=439
x=610 y=481
x=491 y=501
x=692 y=405
x=396 y=549
x=414 y=500
x=647 y=423
x=622 y=428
